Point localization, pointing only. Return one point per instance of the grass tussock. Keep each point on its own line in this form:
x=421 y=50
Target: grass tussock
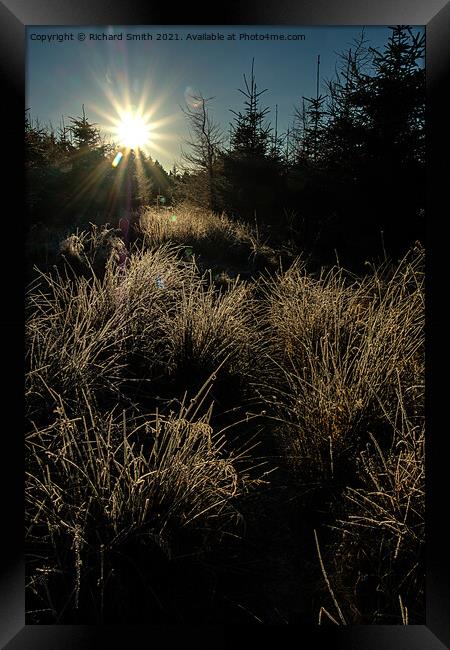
x=216 y=241
x=98 y=482
x=76 y=340
x=89 y=253
x=339 y=345
x=157 y=320
x=380 y=534
x=210 y=330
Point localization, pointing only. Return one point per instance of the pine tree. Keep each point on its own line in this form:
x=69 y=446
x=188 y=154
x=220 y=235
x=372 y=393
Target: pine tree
x=88 y=146
x=393 y=97
x=45 y=163
x=309 y=124
x=374 y=142
x=91 y=175
x=251 y=135
x=253 y=166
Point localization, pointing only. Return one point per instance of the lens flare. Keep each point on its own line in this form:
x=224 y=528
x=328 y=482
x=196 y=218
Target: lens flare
x=117 y=159
x=192 y=98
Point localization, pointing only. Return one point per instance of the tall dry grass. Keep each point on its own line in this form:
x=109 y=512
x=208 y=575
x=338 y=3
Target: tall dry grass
x=349 y=355
x=215 y=240
x=157 y=319
x=102 y=477
x=338 y=344
x=99 y=481
x=334 y=362
x=376 y=561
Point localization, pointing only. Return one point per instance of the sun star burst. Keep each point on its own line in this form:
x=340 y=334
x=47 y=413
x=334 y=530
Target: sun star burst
x=133 y=131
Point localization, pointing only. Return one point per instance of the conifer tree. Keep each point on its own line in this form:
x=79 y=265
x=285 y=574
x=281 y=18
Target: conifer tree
x=88 y=146
x=380 y=125
x=253 y=166
x=251 y=134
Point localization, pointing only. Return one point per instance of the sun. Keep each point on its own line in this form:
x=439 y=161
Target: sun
x=134 y=126
x=133 y=131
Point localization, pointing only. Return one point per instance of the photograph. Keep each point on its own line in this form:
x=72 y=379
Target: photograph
x=224 y=326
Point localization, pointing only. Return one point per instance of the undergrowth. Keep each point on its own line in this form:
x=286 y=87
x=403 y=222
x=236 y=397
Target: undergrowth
x=152 y=387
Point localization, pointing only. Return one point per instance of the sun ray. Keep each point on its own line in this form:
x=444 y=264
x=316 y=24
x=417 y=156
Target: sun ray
x=130 y=114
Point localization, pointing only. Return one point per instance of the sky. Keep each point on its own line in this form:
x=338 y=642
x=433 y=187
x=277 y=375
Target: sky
x=75 y=65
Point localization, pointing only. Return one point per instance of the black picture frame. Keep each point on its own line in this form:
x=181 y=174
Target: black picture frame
x=15 y=16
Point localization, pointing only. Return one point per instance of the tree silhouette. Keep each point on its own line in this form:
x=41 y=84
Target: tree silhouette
x=376 y=139
x=205 y=143
x=88 y=146
x=251 y=135
x=358 y=151
x=253 y=166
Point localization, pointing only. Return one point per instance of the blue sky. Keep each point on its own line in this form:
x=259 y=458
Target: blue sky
x=63 y=75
